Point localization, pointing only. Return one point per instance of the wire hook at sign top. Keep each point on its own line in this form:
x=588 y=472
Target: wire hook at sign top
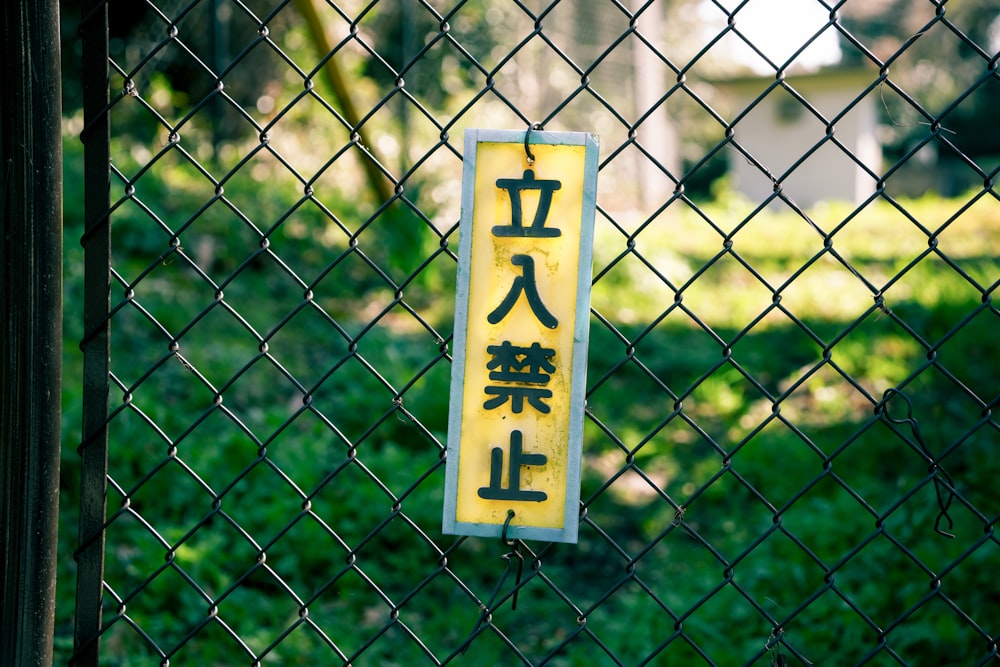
x=527 y=151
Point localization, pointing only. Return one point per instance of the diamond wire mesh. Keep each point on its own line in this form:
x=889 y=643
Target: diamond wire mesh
x=788 y=453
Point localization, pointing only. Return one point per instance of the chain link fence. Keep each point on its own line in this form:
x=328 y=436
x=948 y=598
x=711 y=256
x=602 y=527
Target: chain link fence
x=790 y=443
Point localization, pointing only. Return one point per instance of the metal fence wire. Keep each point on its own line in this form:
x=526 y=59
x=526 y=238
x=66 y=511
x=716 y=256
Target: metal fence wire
x=790 y=444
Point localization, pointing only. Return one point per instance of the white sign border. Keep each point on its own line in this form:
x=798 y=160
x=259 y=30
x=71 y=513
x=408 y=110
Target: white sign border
x=581 y=336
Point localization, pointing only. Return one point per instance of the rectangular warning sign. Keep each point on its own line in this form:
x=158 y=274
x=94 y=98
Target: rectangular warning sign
x=521 y=331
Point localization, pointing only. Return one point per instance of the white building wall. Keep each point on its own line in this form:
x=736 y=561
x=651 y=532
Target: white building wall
x=778 y=131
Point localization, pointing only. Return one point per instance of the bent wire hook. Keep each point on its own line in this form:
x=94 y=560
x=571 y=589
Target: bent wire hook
x=943 y=488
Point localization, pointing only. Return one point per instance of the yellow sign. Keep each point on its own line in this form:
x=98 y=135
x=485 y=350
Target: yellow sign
x=521 y=330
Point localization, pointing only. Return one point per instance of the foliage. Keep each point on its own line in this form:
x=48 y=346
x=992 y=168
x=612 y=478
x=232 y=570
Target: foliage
x=952 y=57
x=281 y=382
x=339 y=490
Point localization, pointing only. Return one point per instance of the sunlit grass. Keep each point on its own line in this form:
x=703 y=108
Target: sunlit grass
x=743 y=350
x=730 y=265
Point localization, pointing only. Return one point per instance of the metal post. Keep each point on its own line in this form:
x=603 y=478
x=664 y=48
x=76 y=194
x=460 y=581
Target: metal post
x=96 y=340
x=31 y=305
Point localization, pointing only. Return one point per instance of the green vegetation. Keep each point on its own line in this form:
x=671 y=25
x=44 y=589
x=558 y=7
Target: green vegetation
x=736 y=465
x=281 y=341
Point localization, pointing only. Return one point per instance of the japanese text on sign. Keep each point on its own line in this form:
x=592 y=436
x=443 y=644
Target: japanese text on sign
x=521 y=329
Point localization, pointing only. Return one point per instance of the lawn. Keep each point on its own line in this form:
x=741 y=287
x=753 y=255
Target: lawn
x=785 y=412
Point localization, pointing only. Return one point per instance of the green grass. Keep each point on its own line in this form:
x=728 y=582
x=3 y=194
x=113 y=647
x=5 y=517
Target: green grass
x=741 y=384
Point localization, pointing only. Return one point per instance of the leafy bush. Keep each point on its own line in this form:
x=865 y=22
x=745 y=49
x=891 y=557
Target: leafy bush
x=276 y=455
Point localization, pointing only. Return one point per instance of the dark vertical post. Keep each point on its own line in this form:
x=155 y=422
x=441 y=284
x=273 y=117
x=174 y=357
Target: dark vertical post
x=31 y=313
x=221 y=11
x=407 y=48
x=96 y=341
